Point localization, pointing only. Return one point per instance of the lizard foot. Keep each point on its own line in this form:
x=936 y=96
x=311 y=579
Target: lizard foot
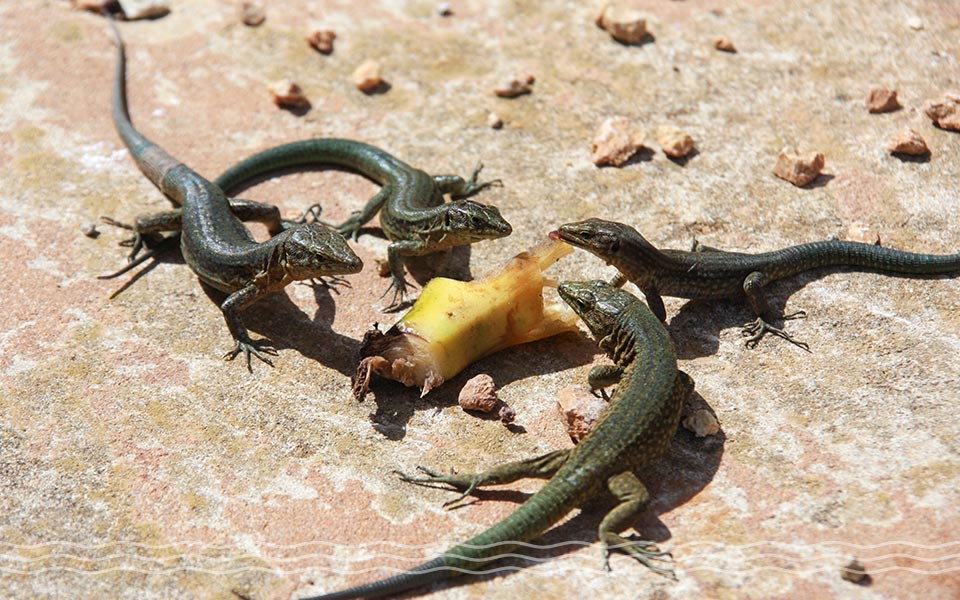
x=250 y=347
x=311 y=215
x=398 y=284
x=463 y=483
x=643 y=551
x=138 y=242
x=473 y=185
x=755 y=330
x=350 y=228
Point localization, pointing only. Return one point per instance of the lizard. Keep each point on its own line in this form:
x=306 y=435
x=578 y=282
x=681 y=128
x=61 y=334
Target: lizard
x=413 y=214
x=215 y=243
x=708 y=273
x=640 y=421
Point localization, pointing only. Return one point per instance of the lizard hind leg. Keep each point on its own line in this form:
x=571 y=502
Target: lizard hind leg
x=458 y=187
x=633 y=500
x=540 y=467
x=756 y=329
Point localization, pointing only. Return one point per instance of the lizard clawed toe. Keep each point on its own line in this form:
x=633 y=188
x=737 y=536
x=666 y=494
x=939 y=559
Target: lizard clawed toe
x=249 y=347
x=755 y=330
x=644 y=552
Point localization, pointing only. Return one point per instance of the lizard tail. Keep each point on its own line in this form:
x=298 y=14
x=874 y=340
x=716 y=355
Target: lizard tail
x=427 y=573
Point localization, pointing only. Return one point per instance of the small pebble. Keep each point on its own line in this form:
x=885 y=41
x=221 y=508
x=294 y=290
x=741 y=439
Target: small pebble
x=383 y=268
x=287 y=94
x=368 y=76
x=494 y=121
x=854 y=571
x=91 y=5
x=144 y=9
x=90 y=230
x=724 y=44
x=915 y=23
x=623 y=24
x=580 y=411
x=675 y=143
x=514 y=87
x=616 y=141
x=702 y=423
x=798 y=170
x=322 y=40
x=882 y=100
x=444 y=9
x=252 y=14
x=908 y=141
x=479 y=393
x=945 y=112
x=861 y=232
x=507 y=414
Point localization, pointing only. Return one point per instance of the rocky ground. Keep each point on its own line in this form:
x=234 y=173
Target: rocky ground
x=134 y=462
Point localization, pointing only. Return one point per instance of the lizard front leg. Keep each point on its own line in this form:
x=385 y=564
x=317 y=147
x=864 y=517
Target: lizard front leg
x=755 y=330
x=603 y=376
x=633 y=500
x=398 y=282
x=358 y=218
x=231 y=308
x=541 y=467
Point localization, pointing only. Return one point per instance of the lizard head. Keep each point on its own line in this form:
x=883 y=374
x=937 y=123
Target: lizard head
x=313 y=250
x=466 y=221
x=596 y=302
x=600 y=237
x=618 y=244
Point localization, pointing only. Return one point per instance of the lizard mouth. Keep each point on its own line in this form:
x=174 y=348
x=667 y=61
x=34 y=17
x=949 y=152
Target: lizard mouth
x=555 y=235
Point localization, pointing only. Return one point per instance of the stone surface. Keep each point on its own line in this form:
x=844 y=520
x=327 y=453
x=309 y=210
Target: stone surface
x=134 y=462
x=579 y=410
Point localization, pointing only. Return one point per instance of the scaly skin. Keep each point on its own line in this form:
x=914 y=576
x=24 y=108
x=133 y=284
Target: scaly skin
x=216 y=245
x=637 y=426
x=413 y=214
x=708 y=273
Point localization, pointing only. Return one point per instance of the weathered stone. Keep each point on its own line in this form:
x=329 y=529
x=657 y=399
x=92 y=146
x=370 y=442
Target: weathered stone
x=796 y=168
x=616 y=141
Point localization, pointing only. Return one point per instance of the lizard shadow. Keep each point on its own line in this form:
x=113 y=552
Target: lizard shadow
x=688 y=325
x=396 y=405
x=285 y=324
x=673 y=479
x=696 y=327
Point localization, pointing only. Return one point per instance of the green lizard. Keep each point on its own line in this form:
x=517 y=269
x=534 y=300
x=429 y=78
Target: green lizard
x=641 y=420
x=708 y=273
x=216 y=245
x=413 y=214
